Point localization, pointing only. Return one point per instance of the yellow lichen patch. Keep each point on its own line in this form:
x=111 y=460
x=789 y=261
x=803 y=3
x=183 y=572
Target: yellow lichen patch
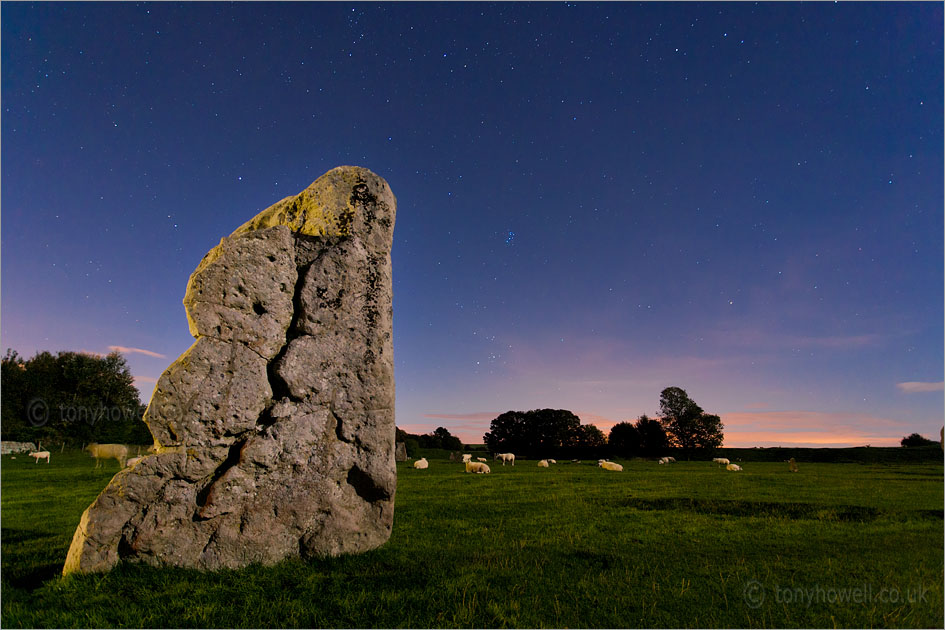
x=322 y=209
x=119 y=484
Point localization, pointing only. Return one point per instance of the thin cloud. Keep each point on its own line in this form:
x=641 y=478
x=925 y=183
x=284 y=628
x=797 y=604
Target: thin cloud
x=127 y=350
x=916 y=387
x=482 y=415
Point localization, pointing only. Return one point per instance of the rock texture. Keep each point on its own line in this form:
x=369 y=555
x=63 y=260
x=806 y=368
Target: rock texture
x=274 y=432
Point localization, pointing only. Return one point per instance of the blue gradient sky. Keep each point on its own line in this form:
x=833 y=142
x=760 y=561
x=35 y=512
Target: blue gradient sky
x=595 y=201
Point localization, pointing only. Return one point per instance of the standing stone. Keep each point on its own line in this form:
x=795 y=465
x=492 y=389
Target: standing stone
x=274 y=432
x=400 y=452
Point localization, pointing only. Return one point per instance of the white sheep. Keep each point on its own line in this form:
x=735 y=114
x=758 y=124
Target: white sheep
x=108 y=451
x=505 y=457
x=551 y=461
x=610 y=466
x=543 y=463
x=480 y=459
x=664 y=460
x=671 y=460
x=421 y=464
x=467 y=457
x=133 y=461
x=478 y=468
x=733 y=467
x=38 y=455
x=721 y=461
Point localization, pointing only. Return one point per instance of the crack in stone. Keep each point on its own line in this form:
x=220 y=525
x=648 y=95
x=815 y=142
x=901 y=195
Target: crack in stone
x=232 y=459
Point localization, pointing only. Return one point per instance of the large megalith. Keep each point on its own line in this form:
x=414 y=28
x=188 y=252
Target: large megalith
x=274 y=432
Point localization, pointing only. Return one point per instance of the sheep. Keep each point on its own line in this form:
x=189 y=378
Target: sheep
x=733 y=467
x=551 y=461
x=543 y=463
x=792 y=465
x=133 y=461
x=38 y=455
x=671 y=460
x=610 y=466
x=481 y=459
x=505 y=457
x=478 y=468
x=664 y=460
x=721 y=461
x=421 y=464
x=467 y=457
x=108 y=451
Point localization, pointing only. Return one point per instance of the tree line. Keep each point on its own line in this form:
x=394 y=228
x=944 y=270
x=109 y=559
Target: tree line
x=70 y=397
x=439 y=438
x=683 y=426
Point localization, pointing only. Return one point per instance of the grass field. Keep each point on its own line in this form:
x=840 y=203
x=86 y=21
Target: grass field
x=685 y=545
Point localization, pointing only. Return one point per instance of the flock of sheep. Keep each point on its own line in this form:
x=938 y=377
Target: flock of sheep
x=480 y=467
x=120 y=452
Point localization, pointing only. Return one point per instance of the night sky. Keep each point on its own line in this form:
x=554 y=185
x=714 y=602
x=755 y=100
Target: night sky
x=595 y=201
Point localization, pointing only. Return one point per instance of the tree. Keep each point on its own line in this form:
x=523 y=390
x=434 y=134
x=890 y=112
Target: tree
x=624 y=439
x=70 y=396
x=687 y=426
x=589 y=436
x=917 y=440
x=653 y=440
x=447 y=440
x=544 y=432
x=439 y=438
x=507 y=433
x=551 y=429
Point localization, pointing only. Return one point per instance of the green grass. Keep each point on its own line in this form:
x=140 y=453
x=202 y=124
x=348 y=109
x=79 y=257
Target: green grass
x=685 y=545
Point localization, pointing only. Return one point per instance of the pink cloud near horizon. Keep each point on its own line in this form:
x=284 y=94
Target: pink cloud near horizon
x=127 y=350
x=916 y=387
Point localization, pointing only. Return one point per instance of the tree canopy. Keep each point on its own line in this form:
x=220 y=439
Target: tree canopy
x=72 y=397
x=438 y=438
x=544 y=432
x=916 y=439
x=687 y=426
x=646 y=437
